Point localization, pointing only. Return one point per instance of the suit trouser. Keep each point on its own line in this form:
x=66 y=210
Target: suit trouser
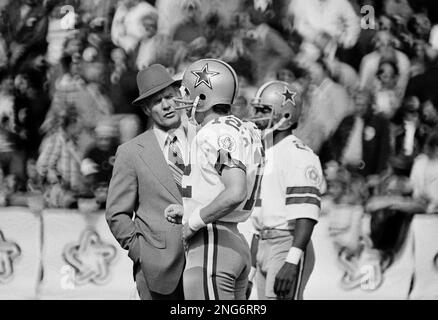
x=271 y=255
x=146 y=294
x=218 y=262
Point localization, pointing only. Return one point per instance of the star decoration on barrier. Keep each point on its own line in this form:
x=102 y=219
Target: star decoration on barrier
x=9 y=251
x=289 y=96
x=204 y=76
x=91 y=258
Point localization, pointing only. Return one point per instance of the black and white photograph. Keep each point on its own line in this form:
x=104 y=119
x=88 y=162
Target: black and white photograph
x=241 y=151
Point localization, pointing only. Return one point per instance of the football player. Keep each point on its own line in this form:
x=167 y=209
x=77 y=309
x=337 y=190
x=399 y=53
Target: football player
x=219 y=185
x=288 y=205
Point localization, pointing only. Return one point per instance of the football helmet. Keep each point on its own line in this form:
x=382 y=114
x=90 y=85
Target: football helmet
x=284 y=102
x=208 y=82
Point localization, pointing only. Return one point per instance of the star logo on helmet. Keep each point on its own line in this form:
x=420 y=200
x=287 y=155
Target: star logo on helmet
x=204 y=76
x=289 y=96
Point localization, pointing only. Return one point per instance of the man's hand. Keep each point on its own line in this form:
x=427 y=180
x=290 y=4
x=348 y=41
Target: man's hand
x=187 y=233
x=285 y=280
x=174 y=213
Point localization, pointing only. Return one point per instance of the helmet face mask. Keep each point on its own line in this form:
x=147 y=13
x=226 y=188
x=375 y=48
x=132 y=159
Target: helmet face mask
x=206 y=83
x=284 y=102
x=263 y=116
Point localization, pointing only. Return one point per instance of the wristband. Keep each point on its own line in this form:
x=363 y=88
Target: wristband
x=252 y=274
x=195 y=221
x=294 y=255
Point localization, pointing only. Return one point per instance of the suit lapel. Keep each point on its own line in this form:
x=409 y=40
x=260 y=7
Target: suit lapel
x=153 y=157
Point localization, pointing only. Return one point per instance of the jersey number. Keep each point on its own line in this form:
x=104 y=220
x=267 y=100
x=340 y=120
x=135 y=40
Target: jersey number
x=187 y=191
x=231 y=121
x=255 y=193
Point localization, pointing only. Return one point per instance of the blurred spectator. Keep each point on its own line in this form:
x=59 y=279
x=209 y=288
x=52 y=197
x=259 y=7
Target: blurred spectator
x=327 y=104
x=343 y=74
x=185 y=20
x=57 y=34
x=424 y=175
x=419 y=58
x=429 y=115
x=82 y=87
x=25 y=26
x=423 y=85
x=433 y=40
x=395 y=181
x=4 y=57
x=97 y=12
x=345 y=211
x=31 y=105
x=334 y=17
x=127 y=28
x=408 y=134
x=385 y=50
x=123 y=89
x=266 y=49
x=398 y=8
x=7 y=101
x=420 y=26
x=59 y=160
x=98 y=160
x=34 y=180
x=394 y=188
x=129 y=128
x=12 y=153
x=362 y=140
x=247 y=91
x=386 y=94
x=191 y=27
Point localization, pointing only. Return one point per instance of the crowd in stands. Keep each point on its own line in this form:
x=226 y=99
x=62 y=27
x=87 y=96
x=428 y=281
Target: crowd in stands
x=367 y=69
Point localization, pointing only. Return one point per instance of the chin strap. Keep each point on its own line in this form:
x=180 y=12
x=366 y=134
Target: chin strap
x=275 y=127
x=192 y=118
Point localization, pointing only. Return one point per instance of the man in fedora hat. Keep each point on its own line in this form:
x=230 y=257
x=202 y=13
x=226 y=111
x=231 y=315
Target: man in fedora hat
x=146 y=179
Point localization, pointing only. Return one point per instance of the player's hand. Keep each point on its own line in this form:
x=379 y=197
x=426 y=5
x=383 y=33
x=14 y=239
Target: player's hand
x=285 y=280
x=187 y=233
x=174 y=213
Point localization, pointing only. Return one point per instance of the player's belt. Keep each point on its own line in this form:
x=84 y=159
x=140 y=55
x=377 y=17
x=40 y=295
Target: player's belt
x=274 y=233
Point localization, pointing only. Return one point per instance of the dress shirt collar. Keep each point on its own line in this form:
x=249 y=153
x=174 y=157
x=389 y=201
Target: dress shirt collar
x=162 y=135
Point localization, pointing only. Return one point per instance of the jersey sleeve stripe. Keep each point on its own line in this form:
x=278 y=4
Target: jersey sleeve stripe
x=301 y=190
x=301 y=200
x=224 y=160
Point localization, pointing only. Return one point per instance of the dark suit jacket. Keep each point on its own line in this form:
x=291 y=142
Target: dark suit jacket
x=375 y=151
x=142 y=183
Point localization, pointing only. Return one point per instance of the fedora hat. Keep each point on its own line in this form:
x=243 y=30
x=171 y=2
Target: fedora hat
x=152 y=80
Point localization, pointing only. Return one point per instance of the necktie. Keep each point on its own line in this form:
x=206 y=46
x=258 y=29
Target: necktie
x=175 y=161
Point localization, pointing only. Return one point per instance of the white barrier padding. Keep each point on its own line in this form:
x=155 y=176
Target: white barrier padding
x=426 y=257
x=82 y=260
x=19 y=253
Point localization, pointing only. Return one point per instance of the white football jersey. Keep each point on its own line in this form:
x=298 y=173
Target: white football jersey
x=223 y=142
x=291 y=186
